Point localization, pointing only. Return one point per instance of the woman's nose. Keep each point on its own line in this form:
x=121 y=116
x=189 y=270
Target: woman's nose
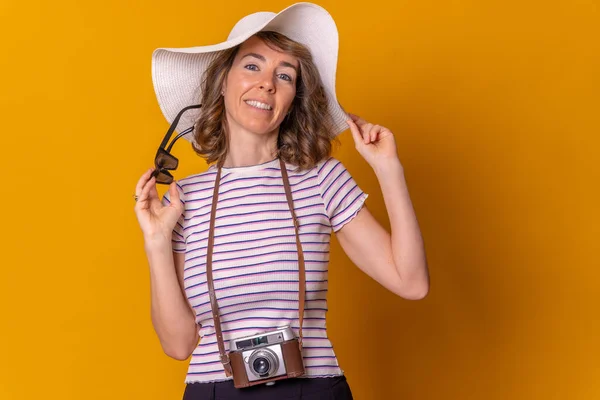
x=267 y=84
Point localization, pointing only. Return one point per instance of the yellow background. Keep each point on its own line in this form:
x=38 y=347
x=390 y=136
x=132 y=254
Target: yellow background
x=495 y=107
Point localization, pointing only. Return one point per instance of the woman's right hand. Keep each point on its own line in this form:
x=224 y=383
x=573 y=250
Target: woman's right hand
x=156 y=220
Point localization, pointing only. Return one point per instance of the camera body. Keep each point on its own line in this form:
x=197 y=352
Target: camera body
x=265 y=357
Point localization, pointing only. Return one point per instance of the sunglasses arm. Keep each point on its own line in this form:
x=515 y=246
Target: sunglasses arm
x=174 y=125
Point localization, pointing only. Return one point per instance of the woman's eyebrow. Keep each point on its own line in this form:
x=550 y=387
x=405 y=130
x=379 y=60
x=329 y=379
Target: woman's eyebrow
x=262 y=58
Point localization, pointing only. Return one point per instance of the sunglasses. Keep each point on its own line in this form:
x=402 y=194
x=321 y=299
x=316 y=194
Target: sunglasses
x=164 y=160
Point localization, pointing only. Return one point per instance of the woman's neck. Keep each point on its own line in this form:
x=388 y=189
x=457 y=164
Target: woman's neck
x=246 y=149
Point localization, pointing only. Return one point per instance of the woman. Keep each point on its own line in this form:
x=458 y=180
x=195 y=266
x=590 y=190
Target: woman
x=268 y=117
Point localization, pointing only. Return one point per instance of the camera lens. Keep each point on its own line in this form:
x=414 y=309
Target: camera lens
x=261 y=365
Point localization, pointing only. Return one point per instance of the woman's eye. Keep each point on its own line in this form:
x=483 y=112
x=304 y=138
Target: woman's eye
x=285 y=77
x=251 y=67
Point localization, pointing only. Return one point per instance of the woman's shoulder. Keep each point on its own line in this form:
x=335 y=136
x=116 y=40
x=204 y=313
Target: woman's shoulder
x=316 y=170
x=328 y=164
x=198 y=179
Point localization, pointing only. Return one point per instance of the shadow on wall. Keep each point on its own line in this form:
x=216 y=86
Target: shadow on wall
x=456 y=341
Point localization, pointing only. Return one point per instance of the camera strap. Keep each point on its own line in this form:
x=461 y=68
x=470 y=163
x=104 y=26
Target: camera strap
x=209 y=276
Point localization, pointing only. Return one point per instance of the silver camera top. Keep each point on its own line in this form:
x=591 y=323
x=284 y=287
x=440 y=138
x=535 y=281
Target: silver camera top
x=264 y=338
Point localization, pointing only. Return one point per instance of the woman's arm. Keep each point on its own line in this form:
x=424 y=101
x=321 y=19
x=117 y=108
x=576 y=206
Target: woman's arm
x=396 y=261
x=172 y=318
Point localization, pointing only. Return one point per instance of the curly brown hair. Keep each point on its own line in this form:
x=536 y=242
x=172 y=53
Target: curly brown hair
x=306 y=134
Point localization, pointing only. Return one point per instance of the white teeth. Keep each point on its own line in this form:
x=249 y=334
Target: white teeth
x=258 y=104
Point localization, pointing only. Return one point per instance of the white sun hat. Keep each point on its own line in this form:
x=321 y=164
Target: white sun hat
x=177 y=72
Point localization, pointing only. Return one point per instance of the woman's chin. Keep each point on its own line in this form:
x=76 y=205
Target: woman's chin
x=261 y=129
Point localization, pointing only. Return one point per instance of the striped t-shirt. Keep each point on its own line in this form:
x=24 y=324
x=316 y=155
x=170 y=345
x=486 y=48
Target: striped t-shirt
x=255 y=259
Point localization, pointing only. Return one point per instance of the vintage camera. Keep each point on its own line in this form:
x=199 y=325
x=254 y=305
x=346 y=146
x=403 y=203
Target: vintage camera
x=265 y=357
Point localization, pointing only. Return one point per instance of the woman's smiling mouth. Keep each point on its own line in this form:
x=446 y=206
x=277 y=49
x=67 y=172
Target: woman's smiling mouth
x=259 y=105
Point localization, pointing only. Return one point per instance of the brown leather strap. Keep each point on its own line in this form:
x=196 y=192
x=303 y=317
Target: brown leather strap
x=301 y=269
x=209 y=276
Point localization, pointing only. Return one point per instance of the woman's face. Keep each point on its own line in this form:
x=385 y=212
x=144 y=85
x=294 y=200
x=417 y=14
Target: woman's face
x=259 y=88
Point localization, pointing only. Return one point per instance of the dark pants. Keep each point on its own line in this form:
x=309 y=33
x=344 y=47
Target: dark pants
x=335 y=388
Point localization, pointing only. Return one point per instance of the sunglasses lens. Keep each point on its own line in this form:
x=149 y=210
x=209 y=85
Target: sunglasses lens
x=163 y=177
x=165 y=160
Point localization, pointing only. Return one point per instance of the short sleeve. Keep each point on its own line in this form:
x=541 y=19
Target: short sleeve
x=342 y=197
x=178 y=237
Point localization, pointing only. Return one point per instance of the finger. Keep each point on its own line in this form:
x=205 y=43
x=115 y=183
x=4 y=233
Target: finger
x=366 y=129
x=373 y=133
x=145 y=195
x=355 y=132
x=153 y=193
x=142 y=181
x=174 y=194
x=357 y=120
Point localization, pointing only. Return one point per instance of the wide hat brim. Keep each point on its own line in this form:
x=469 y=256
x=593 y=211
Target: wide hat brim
x=177 y=72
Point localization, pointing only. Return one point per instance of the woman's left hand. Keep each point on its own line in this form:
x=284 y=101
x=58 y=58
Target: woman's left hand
x=374 y=142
